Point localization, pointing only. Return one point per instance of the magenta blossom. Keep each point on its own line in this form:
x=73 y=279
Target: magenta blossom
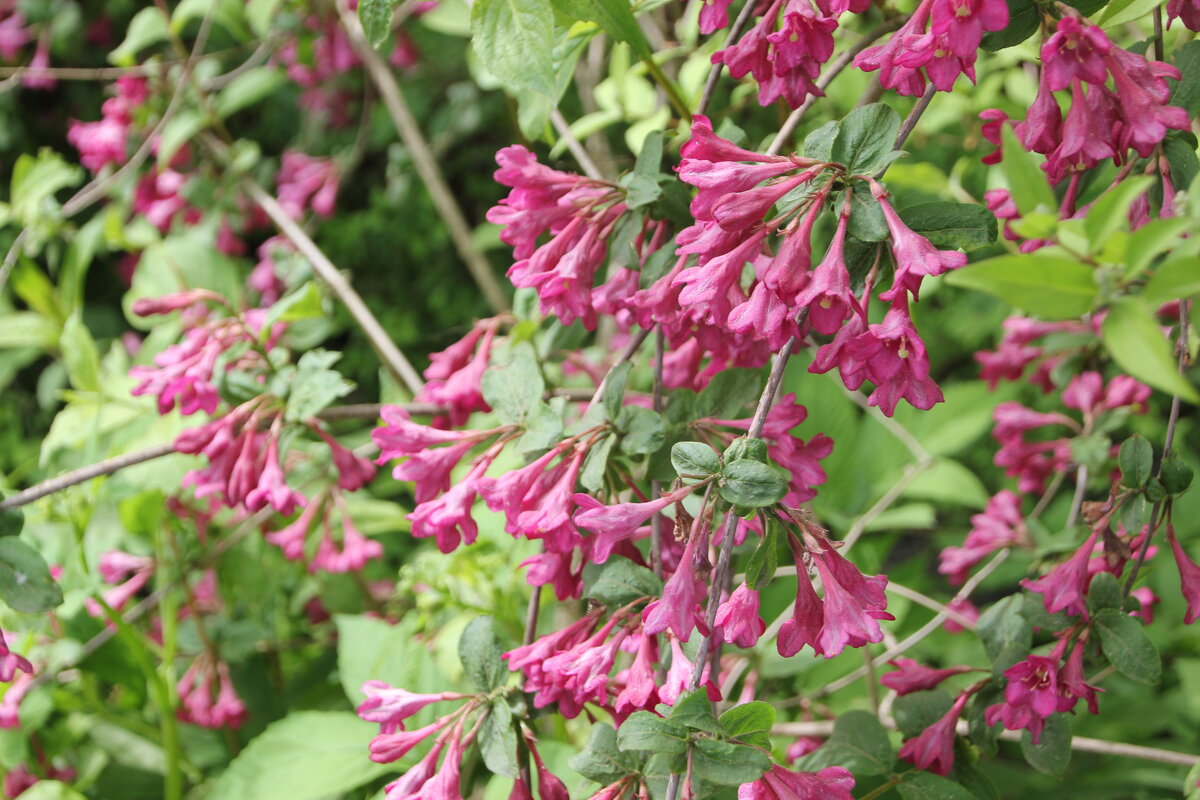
x=737 y=619
x=777 y=783
x=911 y=676
x=933 y=749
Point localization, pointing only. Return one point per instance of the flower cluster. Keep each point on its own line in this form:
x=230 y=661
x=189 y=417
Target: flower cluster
x=105 y=141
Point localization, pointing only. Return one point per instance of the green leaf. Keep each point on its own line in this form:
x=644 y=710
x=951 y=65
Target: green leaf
x=646 y=731
x=819 y=143
x=591 y=474
x=307 y=755
x=25 y=582
x=1110 y=213
x=1135 y=341
x=79 y=355
x=1022 y=23
x=314 y=387
x=512 y=390
x=260 y=14
x=927 y=786
x=1052 y=753
x=1127 y=646
x=12 y=520
x=729 y=393
x=376 y=19
x=600 y=760
x=614 y=389
x=1147 y=242
x=618 y=582
x=543 y=430
x=250 y=88
x=303 y=303
x=1136 y=460
x=1053 y=287
x=373 y=649
x=148 y=26
x=35 y=182
x=1120 y=12
x=1174 y=279
x=867 y=222
x=1006 y=635
x=950 y=226
x=1175 y=474
x=1026 y=182
x=916 y=711
x=514 y=40
x=750 y=723
x=694 y=710
x=1104 y=592
x=744 y=447
x=615 y=17
x=865 y=137
x=498 y=740
x=764 y=560
x=728 y=764
x=20 y=329
x=642 y=184
x=694 y=459
x=479 y=651
x=752 y=484
x=859 y=743
x=643 y=431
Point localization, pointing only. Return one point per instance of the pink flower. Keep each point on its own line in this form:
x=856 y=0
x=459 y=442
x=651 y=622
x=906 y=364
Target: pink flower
x=678 y=610
x=614 y=524
x=802 y=747
x=272 y=488
x=911 y=676
x=777 y=783
x=1075 y=51
x=1189 y=578
x=390 y=706
x=737 y=619
x=353 y=472
x=894 y=358
x=714 y=15
x=356 y=550
x=1000 y=525
x=933 y=749
x=10 y=706
x=393 y=745
x=207 y=696
x=1064 y=588
x=1032 y=694
x=827 y=295
x=680 y=674
x=304 y=181
x=640 y=691
x=10 y=662
x=915 y=256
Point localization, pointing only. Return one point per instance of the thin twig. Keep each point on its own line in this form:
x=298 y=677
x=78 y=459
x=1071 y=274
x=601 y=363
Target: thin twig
x=910 y=474
x=1081 y=478
x=824 y=728
x=393 y=359
x=914 y=116
x=585 y=161
x=634 y=345
x=425 y=163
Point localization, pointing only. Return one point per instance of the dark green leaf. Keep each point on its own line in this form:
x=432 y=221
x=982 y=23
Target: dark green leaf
x=1052 y=753
x=600 y=760
x=314 y=386
x=970 y=777
x=643 y=431
x=543 y=430
x=1133 y=338
x=694 y=459
x=1006 y=634
x=819 y=143
x=984 y=736
x=1136 y=460
x=12 y=520
x=917 y=711
x=618 y=582
x=657 y=264
x=866 y=137
x=1185 y=92
x=1176 y=474
x=859 y=743
x=752 y=484
x=750 y=723
x=614 y=388
x=642 y=184
x=1022 y=23
x=694 y=710
x=746 y=448
x=646 y=731
x=591 y=475
x=480 y=654
x=1181 y=158
x=950 y=226
x=1127 y=646
x=1054 y=287
x=728 y=764
x=1104 y=592
x=927 y=786
x=514 y=40
x=729 y=393
x=498 y=740
x=866 y=217
x=514 y=389
x=765 y=559
x=25 y=582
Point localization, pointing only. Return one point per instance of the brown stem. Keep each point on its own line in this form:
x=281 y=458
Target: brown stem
x=425 y=163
